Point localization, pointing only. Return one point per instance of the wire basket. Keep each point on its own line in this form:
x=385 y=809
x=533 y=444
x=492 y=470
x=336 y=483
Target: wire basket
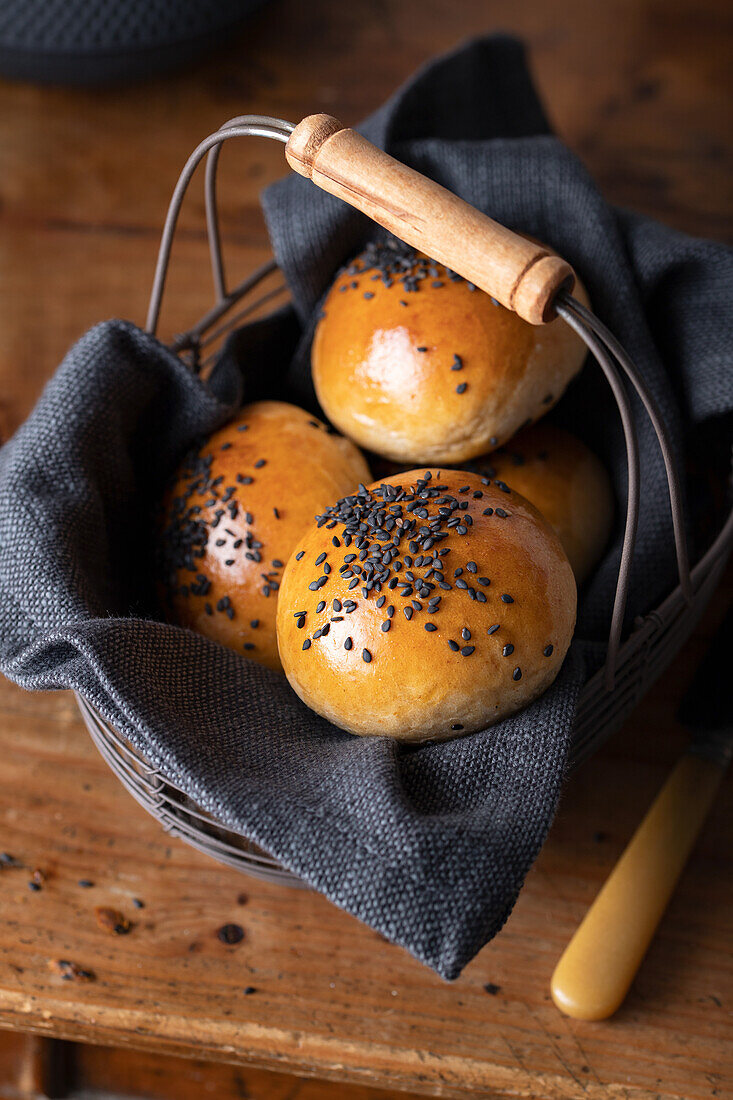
x=631 y=666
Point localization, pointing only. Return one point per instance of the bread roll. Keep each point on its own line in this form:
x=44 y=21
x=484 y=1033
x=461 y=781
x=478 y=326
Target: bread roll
x=426 y=606
x=234 y=514
x=565 y=482
x=414 y=363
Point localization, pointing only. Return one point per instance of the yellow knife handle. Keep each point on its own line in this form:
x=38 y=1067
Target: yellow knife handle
x=600 y=962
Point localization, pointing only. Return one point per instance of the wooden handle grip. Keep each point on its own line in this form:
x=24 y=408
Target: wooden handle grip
x=600 y=962
x=522 y=275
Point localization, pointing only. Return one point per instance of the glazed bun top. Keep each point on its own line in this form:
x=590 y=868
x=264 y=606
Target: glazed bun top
x=234 y=514
x=565 y=481
x=428 y=605
x=416 y=364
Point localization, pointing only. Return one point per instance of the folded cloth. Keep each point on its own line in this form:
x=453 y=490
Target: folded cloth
x=429 y=844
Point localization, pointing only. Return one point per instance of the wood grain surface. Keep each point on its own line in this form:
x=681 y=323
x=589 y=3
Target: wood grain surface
x=640 y=89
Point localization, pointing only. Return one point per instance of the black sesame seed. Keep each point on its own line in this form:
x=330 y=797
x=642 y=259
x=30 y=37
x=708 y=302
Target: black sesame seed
x=430 y=627
x=368 y=294
x=320 y=558
x=456 y=726
x=249 y=645
x=299 y=555
x=259 y=463
x=457 y=363
x=466 y=634
x=320 y=605
x=454 y=646
x=421 y=349
x=348 y=643
x=407 y=612
x=517 y=674
x=548 y=650
x=366 y=656
x=386 y=625
x=468 y=650
x=488 y=511
x=307 y=643
x=507 y=650
x=506 y=598
x=462 y=387
x=500 y=512
x=484 y=581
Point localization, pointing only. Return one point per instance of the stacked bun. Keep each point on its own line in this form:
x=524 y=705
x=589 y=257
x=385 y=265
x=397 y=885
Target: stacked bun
x=428 y=605
x=235 y=513
x=416 y=364
x=565 y=482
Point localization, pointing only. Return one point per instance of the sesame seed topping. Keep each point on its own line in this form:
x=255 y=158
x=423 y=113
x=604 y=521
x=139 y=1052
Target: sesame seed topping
x=348 y=643
x=493 y=629
x=506 y=598
x=462 y=387
x=517 y=674
x=366 y=656
x=454 y=646
x=430 y=627
x=507 y=650
x=548 y=650
x=307 y=643
x=468 y=650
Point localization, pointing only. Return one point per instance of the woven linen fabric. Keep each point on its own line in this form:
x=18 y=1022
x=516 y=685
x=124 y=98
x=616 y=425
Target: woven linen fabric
x=428 y=844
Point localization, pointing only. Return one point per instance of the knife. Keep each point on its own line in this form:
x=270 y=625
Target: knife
x=599 y=964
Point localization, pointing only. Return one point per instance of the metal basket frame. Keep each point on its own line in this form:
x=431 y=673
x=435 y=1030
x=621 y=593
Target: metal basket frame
x=630 y=668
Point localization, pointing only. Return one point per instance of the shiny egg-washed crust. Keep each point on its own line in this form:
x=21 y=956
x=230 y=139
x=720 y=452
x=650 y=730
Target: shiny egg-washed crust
x=503 y=623
x=234 y=515
x=565 y=482
x=427 y=369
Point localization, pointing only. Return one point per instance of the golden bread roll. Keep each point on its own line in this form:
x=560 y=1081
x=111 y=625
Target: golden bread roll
x=565 y=482
x=237 y=508
x=426 y=606
x=414 y=363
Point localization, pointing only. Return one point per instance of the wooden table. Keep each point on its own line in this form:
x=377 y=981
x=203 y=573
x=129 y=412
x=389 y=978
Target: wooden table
x=638 y=89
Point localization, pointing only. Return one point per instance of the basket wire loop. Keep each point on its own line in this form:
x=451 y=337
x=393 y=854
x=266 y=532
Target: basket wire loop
x=673 y=483
x=254 y=126
x=605 y=348
x=212 y=207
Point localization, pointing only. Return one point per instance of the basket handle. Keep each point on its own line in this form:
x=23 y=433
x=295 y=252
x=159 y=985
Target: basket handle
x=521 y=274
